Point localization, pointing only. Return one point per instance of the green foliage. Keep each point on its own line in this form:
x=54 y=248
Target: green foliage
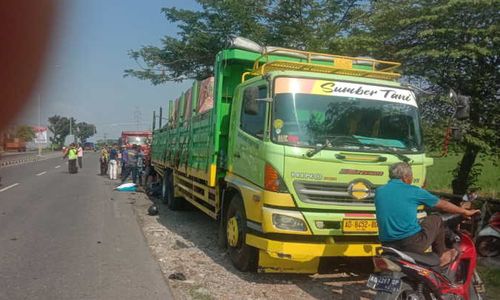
x=441 y=174
x=490 y=274
x=303 y=24
x=445 y=44
x=25 y=132
x=84 y=131
x=60 y=126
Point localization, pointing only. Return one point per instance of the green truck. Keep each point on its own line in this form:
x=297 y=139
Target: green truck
x=284 y=149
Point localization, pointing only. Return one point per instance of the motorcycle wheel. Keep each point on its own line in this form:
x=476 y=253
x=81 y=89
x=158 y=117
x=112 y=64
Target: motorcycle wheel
x=488 y=246
x=406 y=292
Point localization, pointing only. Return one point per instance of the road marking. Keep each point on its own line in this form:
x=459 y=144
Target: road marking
x=40 y=174
x=9 y=187
x=58 y=166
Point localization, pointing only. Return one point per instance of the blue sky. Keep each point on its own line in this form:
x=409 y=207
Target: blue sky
x=83 y=76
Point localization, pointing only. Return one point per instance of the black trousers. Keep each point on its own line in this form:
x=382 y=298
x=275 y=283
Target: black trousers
x=72 y=166
x=432 y=234
x=104 y=166
x=80 y=161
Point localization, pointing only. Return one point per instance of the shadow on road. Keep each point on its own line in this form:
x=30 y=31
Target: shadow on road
x=339 y=278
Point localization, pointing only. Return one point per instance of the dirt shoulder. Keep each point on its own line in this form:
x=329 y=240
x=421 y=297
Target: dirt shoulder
x=185 y=242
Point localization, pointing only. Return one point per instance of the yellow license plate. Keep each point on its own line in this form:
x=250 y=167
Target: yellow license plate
x=354 y=225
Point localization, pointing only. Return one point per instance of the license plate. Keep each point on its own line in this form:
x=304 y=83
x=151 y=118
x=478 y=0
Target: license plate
x=353 y=225
x=383 y=283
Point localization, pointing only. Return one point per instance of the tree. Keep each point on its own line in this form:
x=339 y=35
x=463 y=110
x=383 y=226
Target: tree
x=303 y=24
x=84 y=131
x=202 y=34
x=59 y=126
x=25 y=133
x=445 y=44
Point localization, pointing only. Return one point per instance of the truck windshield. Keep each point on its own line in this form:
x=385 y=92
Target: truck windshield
x=346 y=122
x=138 y=140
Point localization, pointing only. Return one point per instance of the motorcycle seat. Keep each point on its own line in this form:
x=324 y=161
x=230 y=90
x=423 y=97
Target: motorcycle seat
x=428 y=259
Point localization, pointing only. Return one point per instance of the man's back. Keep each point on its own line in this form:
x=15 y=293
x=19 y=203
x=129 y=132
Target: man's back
x=113 y=154
x=132 y=158
x=396 y=205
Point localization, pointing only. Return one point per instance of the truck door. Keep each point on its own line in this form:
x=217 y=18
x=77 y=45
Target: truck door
x=248 y=127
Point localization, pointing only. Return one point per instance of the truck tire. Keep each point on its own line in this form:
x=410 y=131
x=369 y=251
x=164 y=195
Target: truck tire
x=172 y=202
x=243 y=256
x=164 y=188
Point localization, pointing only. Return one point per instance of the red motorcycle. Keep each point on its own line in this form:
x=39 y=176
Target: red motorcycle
x=406 y=275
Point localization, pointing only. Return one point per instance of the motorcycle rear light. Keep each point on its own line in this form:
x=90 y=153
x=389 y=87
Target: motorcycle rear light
x=385 y=264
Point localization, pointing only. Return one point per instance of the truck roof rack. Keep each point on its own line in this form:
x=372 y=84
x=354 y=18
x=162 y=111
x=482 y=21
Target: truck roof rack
x=322 y=63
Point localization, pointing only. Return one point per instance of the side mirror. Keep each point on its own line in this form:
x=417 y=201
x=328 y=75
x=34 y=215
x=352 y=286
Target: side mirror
x=250 y=104
x=462 y=105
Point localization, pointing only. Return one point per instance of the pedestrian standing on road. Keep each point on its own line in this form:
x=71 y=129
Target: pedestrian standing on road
x=72 y=155
x=80 y=155
x=140 y=165
x=119 y=161
x=124 y=161
x=113 y=162
x=131 y=165
x=104 y=160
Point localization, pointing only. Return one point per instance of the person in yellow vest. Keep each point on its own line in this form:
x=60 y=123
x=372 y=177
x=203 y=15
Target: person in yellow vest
x=104 y=160
x=72 y=155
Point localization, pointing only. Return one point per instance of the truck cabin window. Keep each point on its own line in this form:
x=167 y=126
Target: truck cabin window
x=348 y=123
x=138 y=140
x=253 y=112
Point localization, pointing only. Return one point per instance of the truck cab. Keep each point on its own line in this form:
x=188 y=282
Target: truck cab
x=311 y=152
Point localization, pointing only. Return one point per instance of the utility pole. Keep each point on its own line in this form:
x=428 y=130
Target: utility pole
x=39 y=122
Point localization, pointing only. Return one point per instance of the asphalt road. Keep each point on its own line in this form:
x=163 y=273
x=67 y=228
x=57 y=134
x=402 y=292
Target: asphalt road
x=70 y=236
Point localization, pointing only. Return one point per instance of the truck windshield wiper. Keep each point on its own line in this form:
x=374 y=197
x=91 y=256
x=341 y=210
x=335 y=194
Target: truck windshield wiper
x=347 y=140
x=318 y=149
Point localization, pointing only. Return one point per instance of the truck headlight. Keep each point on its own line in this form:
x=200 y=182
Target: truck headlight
x=285 y=222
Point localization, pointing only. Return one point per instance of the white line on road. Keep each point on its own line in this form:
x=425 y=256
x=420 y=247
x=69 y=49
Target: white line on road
x=58 y=166
x=9 y=187
x=39 y=174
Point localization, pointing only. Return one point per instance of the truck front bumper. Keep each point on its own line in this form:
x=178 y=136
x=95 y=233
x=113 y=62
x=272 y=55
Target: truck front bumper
x=299 y=257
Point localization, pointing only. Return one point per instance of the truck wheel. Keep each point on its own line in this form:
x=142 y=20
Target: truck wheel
x=243 y=256
x=173 y=203
x=164 y=188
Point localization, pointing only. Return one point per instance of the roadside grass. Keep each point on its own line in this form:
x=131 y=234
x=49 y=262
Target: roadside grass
x=439 y=175
x=491 y=279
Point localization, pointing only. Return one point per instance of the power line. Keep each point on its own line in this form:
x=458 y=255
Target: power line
x=137 y=117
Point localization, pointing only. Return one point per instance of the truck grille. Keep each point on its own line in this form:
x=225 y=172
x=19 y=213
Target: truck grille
x=327 y=192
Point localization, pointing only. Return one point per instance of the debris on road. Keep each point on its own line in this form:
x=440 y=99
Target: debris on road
x=126 y=187
x=153 y=210
x=177 y=276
